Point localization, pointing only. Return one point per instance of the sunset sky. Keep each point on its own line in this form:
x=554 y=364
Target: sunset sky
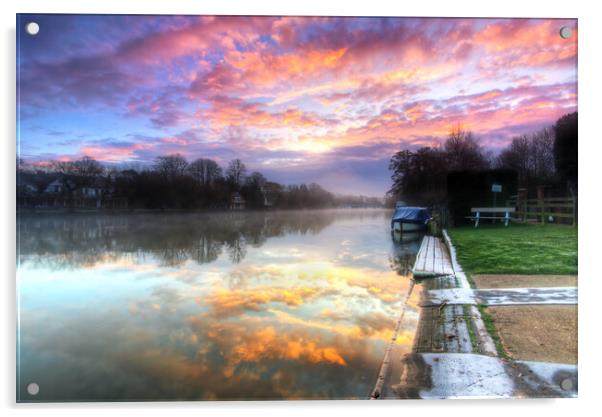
x=300 y=99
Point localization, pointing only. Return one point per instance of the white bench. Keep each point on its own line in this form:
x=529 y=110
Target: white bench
x=495 y=213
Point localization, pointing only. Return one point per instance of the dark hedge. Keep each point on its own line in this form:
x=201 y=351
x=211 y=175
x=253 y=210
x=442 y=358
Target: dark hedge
x=466 y=189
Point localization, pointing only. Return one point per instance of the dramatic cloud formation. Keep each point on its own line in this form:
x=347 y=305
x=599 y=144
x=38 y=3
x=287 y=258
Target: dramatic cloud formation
x=298 y=98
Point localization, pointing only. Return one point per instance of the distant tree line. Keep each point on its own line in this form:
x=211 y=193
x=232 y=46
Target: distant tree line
x=545 y=157
x=171 y=183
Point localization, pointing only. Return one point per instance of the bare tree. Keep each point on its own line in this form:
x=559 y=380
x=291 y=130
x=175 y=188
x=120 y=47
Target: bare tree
x=419 y=177
x=516 y=157
x=87 y=167
x=205 y=171
x=531 y=156
x=256 y=179
x=171 y=166
x=79 y=173
x=463 y=152
x=62 y=167
x=236 y=172
x=543 y=153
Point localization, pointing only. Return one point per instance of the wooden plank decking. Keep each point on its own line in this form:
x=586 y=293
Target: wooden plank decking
x=432 y=259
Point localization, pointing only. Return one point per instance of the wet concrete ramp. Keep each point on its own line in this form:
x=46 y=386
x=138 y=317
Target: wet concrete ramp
x=502 y=296
x=465 y=375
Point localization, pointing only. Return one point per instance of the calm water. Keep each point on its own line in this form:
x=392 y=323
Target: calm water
x=209 y=306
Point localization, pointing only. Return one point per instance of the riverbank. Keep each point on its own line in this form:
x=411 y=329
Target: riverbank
x=453 y=357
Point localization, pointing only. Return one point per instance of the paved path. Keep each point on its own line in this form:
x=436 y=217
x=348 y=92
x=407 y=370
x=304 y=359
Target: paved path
x=432 y=259
x=466 y=375
x=501 y=296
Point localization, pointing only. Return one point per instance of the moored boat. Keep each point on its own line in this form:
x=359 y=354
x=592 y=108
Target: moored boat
x=410 y=219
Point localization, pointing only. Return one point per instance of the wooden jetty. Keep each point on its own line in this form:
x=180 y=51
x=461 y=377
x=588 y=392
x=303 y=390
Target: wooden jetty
x=432 y=259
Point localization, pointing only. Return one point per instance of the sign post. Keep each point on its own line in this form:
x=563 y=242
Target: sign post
x=495 y=188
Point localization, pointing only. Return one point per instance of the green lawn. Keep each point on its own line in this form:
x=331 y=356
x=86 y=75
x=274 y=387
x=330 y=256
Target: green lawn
x=516 y=249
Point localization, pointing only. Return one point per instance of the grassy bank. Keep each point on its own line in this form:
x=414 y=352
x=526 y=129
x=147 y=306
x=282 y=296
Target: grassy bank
x=516 y=249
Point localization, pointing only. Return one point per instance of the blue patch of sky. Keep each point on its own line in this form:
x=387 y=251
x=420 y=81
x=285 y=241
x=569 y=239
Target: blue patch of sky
x=79 y=128
x=213 y=56
x=267 y=39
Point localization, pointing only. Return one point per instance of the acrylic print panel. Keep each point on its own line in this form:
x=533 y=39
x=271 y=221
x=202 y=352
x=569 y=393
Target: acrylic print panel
x=260 y=208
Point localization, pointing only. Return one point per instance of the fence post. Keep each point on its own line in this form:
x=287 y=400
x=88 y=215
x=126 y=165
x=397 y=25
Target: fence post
x=521 y=202
x=574 y=201
x=540 y=203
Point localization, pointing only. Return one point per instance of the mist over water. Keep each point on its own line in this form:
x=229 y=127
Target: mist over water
x=265 y=305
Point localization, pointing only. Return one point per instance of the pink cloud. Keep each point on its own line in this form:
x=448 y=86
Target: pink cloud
x=114 y=153
x=298 y=88
x=526 y=43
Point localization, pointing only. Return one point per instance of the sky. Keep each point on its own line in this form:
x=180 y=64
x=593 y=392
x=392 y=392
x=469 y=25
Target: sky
x=300 y=99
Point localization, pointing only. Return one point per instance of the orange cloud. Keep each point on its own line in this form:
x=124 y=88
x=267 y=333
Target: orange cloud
x=267 y=69
x=267 y=343
x=228 y=111
x=524 y=42
x=225 y=302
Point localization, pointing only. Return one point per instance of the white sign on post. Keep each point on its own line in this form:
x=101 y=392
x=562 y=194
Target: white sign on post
x=496 y=188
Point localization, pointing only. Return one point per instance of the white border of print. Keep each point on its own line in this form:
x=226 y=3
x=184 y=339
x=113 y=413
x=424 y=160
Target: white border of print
x=590 y=30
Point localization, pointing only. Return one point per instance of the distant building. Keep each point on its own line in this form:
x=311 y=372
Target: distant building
x=270 y=192
x=58 y=186
x=237 y=202
x=90 y=192
x=63 y=193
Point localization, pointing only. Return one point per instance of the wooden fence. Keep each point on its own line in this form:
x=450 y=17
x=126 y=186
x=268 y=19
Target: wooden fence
x=545 y=210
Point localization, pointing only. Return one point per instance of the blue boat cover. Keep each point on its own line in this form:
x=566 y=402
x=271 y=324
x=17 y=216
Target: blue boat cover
x=411 y=215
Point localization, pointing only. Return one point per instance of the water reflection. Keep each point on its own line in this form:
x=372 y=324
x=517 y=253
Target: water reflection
x=405 y=248
x=174 y=239
x=213 y=306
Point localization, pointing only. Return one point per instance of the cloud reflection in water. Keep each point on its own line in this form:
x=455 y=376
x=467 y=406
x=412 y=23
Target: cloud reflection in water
x=139 y=307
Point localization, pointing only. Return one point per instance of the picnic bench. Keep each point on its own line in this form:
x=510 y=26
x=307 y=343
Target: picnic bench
x=494 y=213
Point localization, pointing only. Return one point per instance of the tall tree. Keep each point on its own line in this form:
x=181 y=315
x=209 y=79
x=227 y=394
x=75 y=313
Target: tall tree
x=87 y=167
x=401 y=165
x=256 y=179
x=419 y=177
x=543 y=154
x=463 y=152
x=254 y=191
x=516 y=156
x=171 y=166
x=75 y=174
x=236 y=173
x=565 y=149
x=531 y=156
x=205 y=171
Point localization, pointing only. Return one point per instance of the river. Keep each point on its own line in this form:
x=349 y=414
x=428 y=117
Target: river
x=270 y=305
